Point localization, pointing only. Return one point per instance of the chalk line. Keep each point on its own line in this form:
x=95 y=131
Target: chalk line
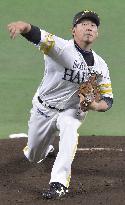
x=101 y=149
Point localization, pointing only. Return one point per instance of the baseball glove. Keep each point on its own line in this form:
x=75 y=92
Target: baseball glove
x=89 y=92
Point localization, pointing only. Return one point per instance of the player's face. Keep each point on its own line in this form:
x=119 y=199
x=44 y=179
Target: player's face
x=85 y=32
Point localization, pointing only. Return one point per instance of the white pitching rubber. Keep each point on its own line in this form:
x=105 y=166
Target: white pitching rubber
x=18 y=135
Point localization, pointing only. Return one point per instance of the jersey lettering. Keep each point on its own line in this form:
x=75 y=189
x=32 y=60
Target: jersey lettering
x=73 y=76
x=68 y=74
x=78 y=65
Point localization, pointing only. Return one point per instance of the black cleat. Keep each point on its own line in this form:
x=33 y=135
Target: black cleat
x=56 y=191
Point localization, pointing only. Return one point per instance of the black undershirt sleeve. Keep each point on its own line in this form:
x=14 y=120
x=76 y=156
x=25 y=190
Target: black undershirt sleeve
x=34 y=35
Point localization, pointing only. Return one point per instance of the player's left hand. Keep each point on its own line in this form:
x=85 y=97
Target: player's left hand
x=89 y=94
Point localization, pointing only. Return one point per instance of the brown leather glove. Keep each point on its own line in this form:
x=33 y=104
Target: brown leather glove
x=89 y=92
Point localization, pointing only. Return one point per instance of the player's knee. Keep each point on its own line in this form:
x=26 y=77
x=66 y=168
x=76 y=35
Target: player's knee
x=31 y=154
x=28 y=154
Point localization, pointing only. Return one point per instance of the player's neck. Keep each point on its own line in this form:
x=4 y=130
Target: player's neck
x=84 y=46
x=83 y=49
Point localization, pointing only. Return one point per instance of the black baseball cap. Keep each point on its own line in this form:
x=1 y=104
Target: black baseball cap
x=86 y=14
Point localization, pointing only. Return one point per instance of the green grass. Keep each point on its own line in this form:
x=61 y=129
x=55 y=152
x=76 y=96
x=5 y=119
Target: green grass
x=21 y=69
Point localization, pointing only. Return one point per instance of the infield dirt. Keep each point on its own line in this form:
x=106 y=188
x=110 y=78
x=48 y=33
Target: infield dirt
x=98 y=177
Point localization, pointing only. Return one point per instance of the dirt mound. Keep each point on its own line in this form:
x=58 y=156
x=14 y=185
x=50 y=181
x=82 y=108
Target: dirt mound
x=98 y=174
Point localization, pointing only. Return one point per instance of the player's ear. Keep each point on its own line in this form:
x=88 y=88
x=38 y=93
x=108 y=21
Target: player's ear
x=73 y=31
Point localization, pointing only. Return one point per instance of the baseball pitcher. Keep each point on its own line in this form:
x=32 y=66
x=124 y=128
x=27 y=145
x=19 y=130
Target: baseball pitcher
x=76 y=80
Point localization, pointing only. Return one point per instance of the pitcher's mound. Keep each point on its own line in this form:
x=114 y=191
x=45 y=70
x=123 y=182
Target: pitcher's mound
x=98 y=173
